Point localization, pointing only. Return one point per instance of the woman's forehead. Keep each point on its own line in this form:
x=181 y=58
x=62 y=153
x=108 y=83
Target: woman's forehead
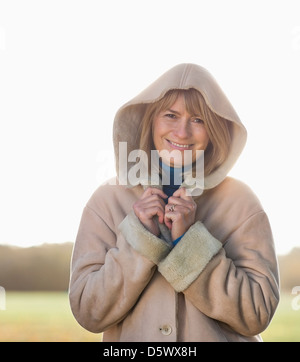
x=182 y=101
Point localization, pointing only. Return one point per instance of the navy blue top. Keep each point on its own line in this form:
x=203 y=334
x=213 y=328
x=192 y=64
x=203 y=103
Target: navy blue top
x=172 y=184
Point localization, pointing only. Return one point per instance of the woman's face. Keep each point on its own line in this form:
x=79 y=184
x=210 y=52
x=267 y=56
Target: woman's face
x=176 y=129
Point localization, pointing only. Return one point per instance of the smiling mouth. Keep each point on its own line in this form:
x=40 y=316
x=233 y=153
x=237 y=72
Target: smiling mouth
x=179 y=145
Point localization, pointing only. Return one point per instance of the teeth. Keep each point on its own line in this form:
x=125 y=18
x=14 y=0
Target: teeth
x=178 y=145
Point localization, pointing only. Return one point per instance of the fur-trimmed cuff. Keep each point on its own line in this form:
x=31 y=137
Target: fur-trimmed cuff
x=142 y=240
x=189 y=257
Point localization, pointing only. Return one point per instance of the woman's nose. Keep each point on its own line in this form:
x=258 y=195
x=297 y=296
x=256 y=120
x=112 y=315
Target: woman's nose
x=182 y=130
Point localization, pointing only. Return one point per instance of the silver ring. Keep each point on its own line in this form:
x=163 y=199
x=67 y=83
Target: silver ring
x=172 y=208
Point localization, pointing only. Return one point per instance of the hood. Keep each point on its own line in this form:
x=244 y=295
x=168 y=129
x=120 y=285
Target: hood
x=183 y=76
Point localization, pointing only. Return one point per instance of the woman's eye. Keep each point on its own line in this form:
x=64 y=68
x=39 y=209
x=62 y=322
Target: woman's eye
x=170 y=115
x=198 y=120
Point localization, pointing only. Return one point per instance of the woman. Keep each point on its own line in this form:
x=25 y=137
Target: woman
x=177 y=261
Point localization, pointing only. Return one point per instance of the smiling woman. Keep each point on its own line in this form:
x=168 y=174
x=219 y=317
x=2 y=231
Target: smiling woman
x=156 y=262
x=182 y=121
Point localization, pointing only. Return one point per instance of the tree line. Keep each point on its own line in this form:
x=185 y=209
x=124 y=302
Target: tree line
x=37 y=268
x=47 y=268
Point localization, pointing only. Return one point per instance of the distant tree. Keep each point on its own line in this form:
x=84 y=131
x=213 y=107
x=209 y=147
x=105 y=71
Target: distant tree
x=45 y=267
x=289 y=267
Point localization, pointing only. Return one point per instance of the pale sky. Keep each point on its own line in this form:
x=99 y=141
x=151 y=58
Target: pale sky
x=67 y=66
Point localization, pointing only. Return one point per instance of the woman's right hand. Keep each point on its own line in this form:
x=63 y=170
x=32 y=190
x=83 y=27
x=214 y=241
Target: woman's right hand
x=150 y=204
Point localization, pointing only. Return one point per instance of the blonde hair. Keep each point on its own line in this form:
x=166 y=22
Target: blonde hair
x=218 y=128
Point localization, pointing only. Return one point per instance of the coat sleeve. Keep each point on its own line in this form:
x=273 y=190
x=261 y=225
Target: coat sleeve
x=107 y=275
x=235 y=283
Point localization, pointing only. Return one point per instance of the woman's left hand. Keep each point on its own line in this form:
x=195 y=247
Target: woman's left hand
x=180 y=213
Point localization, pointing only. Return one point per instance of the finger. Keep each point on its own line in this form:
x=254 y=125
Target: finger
x=173 y=200
x=190 y=204
x=168 y=220
x=145 y=204
x=152 y=200
x=178 y=212
x=159 y=212
x=178 y=221
x=150 y=212
x=153 y=191
x=182 y=197
x=183 y=193
x=160 y=209
x=172 y=217
x=155 y=198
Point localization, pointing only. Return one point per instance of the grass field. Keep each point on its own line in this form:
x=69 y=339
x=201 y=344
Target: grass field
x=46 y=317
x=40 y=317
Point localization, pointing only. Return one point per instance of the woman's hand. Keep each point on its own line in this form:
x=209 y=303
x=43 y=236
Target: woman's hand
x=150 y=204
x=183 y=215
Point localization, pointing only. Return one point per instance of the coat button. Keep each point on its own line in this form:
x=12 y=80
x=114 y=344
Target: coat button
x=165 y=329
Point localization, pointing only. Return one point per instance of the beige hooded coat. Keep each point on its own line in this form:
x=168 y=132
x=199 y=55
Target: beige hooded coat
x=219 y=283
